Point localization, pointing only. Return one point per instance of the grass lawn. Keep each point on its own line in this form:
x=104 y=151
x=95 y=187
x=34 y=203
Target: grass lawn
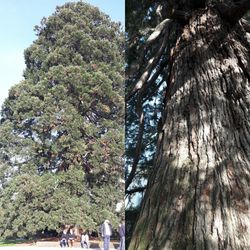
x=5 y=243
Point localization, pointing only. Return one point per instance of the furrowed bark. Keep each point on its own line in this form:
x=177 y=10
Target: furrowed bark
x=246 y=25
x=198 y=194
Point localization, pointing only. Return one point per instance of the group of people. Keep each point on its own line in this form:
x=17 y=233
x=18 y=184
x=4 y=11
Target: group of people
x=68 y=236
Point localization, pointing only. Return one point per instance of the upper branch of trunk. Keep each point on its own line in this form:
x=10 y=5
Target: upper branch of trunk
x=149 y=68
x=157 y=31
x=153 y=40
x=138 y=145
x=232 y=12
x=135 y=190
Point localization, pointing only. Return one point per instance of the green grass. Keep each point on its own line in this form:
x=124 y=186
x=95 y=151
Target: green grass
x=5 y=243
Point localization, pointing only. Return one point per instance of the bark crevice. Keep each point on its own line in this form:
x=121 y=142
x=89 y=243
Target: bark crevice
x=197 y=186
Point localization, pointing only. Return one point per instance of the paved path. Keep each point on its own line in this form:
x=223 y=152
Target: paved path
x=45 y=248
x=45 y=245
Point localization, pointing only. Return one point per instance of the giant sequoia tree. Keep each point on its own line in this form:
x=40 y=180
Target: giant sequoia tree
x=61 y=128
x=198 y=192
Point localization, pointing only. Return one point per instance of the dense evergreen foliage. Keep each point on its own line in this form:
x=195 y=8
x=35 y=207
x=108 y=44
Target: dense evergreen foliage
x=61 y=145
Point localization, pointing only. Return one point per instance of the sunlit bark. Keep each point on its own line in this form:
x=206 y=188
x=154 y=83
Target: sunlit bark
x=198 y=194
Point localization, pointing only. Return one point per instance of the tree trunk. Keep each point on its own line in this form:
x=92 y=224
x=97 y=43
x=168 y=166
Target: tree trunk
x=198 y=194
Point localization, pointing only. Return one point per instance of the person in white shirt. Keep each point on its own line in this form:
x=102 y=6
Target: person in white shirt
x=106 y=231
x=85 y=240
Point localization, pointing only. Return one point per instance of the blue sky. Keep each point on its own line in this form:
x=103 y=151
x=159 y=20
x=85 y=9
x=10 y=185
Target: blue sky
x=17 y=20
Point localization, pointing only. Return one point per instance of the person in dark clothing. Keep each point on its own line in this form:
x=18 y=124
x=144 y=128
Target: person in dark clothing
x=64 y=239
x=106 y=231
x=121 y=231
x=71 y=237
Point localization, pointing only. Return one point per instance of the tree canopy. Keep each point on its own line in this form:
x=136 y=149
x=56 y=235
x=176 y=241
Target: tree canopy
x=61 y=145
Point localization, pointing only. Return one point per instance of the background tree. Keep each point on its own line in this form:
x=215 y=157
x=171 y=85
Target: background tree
x=197 y=194
x=62 y=127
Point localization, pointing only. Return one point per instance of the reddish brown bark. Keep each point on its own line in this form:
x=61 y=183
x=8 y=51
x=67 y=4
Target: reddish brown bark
x=198 y=194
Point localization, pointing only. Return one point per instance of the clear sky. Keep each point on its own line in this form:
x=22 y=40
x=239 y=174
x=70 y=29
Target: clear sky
x=17 y=20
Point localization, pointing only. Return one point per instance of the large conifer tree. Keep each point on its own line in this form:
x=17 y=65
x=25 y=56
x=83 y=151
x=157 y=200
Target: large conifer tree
x=61 y=128
x=197 y=196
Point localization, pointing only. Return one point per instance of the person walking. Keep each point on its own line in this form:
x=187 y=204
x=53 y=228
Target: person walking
x=121 y=230
x=106 y=231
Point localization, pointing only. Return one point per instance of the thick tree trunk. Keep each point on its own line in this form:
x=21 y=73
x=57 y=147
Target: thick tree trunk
x=198 y=195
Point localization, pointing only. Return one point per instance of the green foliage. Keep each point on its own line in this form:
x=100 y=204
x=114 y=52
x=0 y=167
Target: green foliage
x=62 y=127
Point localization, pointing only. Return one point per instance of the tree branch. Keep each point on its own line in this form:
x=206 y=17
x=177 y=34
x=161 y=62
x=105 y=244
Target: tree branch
x=153 y=38
x=157 y=32
x=154 y=89
x=135 y=190
x=149 y=68
x=138 y=146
